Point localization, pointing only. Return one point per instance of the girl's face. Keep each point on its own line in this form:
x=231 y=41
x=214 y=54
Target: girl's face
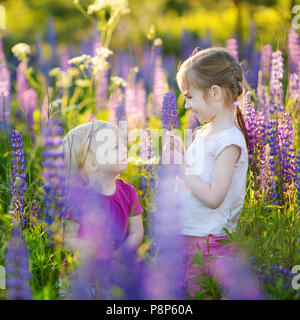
x=196 y=103
x=111 y=153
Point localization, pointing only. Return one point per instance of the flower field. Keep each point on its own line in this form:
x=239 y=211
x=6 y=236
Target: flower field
x=41 y=100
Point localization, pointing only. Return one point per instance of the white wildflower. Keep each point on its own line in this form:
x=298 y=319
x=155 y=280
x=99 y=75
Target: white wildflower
x=116 y=82
x=83 y=59
x=83 y=83
x=20 y=50
x=113 y=5
x=54 y=72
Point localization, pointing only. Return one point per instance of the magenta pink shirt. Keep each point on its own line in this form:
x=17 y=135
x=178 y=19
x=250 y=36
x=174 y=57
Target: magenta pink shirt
x=124 y=203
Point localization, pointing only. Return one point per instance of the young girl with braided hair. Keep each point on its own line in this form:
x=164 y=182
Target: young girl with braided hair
x=214 y=168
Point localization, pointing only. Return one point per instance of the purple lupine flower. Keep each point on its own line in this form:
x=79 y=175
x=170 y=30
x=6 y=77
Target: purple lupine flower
x=276 y=86
x=5 y=92
x=164 y=279
x=159 y=84
x=35 y=213
x=54 y=171
x=22 y=84
x=51 y=39
x=298 y=178
x=255 y=125
x=268 y=275
x=272 y=142
x=267 y=174
x=286 y=155
x=147 y=176
x=237 y=280
x=186 y=44
x=253 y=75
x=63 y=60
x=17 y=267
x=141 y=99
x=265 y=62
x=102 y=89
x=170 y=111
x=294 y=86
x=233 y=47
x=130 y=106
x=114 y=104
x=294 y=51
x=169 y=63
x=146 y=151
x=29 y=100
x=146 y=68
x=18 y=183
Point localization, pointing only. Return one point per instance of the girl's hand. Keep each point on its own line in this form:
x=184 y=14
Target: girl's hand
x=173 y=149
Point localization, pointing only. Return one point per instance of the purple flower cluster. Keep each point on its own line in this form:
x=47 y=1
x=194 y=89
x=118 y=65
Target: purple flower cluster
x=22 y=83
x=237 y=280
x=270 y=275
x=164 y=278
x=116 y=106
x=294 y=51
x=232 y=46
x=17 y=267
x=286 y=142
x=298 y=179
x=135 y=100
x=54 y=171
x=169 y=111
x=18 y=183
x=255 y=124
x=159 y=82
x=267 y=174
x=265 y=62
x=29 y=100
x=276 y=86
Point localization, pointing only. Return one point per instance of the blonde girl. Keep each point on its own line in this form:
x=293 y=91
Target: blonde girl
x=95 y=154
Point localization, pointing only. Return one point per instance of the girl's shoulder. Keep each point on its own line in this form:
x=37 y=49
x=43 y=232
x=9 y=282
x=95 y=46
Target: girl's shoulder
x=127 y=187
x=231 y=136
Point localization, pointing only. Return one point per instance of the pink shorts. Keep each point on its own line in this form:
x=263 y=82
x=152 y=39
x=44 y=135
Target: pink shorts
x=211 y=252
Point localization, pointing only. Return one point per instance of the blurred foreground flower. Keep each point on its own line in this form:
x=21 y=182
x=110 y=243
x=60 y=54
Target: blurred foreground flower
x=237 y=280
x=163 y=280
x=17 y=267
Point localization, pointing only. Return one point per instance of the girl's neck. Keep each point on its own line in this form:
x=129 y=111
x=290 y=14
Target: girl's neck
x=222 y=121
x=105 y=185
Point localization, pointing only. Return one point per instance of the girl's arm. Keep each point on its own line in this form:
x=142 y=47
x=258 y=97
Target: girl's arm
x=213 y=194
x=71 y=240
x=135 y=234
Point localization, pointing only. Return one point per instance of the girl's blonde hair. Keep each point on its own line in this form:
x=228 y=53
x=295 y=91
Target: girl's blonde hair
x=79 y=145
x=214 y=66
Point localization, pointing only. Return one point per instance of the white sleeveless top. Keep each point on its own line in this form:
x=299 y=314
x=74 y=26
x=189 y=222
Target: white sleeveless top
x=196 y=218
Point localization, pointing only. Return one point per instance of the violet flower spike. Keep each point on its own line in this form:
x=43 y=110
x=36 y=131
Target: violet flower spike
x=169 y=111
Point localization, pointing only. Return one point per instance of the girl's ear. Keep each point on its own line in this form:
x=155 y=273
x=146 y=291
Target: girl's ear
x=216 y=92
x=91 y=164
